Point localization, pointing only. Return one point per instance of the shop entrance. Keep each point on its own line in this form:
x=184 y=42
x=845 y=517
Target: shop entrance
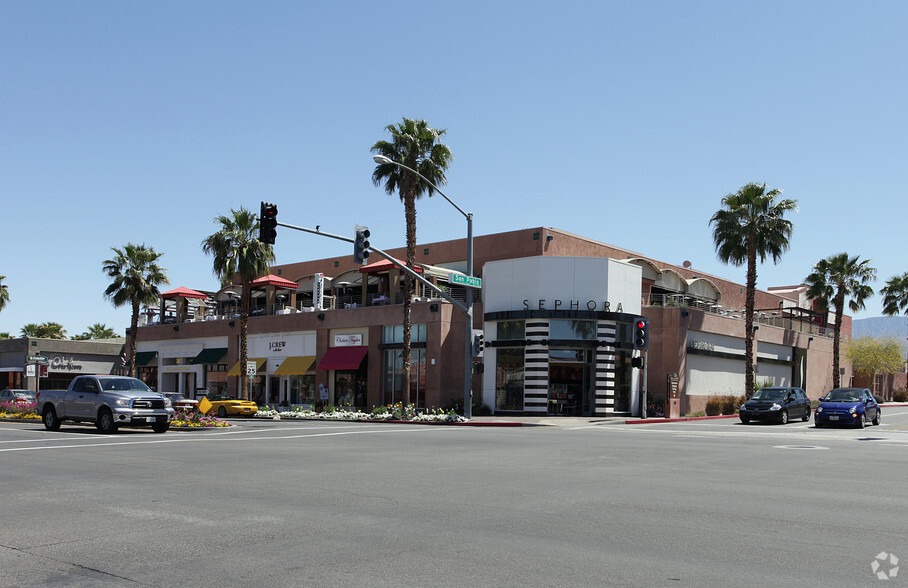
x=570 y=386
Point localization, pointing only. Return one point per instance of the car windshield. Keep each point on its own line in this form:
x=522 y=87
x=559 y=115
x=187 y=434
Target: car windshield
x=18 y=394
x=123 y=384
x=843 y=396
x=769 y=394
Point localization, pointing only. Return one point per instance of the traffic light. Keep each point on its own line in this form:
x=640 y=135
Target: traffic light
x=361 y=244
x=641 y=333
x=478 y=343
x=268 y=223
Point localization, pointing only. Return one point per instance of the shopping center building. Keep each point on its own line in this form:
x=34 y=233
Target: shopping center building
x=555 y=309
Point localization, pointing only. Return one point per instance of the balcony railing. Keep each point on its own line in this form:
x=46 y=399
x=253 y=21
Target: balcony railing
x=782 y=318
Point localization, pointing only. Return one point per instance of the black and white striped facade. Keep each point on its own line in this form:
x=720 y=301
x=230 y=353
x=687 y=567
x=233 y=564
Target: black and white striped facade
x=537 y=366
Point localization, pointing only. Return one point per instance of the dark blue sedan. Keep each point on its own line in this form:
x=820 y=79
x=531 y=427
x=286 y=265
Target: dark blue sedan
x=854 y=407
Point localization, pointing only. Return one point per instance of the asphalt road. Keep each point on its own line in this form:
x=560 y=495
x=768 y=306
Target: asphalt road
x=277 y=503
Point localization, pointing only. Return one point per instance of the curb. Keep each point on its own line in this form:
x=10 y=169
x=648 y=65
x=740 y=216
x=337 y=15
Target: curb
x=679 y=419
x=648 y=421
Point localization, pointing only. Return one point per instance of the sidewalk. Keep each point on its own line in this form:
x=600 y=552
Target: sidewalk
x=564 y=421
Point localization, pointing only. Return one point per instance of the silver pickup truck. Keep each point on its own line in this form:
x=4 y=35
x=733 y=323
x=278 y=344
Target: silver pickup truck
x=108 y=401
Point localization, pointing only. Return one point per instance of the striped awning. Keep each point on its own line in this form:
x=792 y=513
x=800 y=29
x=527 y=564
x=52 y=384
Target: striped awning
x=295 y=366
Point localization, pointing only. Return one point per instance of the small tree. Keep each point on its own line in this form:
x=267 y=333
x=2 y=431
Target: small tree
x=870 y=356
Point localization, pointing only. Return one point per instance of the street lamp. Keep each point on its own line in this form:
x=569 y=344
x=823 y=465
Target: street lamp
x=468 y=343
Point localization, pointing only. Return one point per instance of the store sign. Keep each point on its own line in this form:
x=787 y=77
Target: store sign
x=65 y=364
x=558 y=304
x=276 y=347
x=348 y=340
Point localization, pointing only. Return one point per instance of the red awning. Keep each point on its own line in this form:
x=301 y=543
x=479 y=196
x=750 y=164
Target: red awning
x=184 y=292
x=385 y=265
x=273 y=280
x=343 y=358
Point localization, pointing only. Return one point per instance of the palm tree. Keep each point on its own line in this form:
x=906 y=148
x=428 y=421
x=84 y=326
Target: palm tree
x=751 y=226
x=895 y=295
x=135 y=276
x=833 y=280
x=238 y=252
x=4 y=293
x=96 y=331
x=45 y=330
x=418 y=146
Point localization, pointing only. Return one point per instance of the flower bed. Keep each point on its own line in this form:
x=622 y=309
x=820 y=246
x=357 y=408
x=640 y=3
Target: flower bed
x=193 y=419
x=19 y=411
x=379 y=413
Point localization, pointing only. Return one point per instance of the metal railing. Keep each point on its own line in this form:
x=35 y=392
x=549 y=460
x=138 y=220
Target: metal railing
x=780 y=318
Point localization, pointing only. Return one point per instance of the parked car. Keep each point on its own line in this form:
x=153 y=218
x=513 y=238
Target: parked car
x=180 y=402
x=17 y=396
x=224 y=405
x=848 y=406
x=777 y=404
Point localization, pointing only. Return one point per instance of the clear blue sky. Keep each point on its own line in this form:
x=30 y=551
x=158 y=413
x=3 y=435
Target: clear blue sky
x=625 y=122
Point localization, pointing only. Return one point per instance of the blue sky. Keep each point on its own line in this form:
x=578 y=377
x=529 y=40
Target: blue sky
x=623 y=122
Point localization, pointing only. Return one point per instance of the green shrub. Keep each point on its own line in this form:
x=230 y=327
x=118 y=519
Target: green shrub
x=900 y=395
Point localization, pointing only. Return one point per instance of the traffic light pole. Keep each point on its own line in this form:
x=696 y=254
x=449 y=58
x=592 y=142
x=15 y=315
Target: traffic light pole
x=394 y=261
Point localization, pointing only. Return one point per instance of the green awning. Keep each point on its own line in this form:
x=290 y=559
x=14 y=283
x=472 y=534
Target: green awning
x=143 y=358
x=212 y=355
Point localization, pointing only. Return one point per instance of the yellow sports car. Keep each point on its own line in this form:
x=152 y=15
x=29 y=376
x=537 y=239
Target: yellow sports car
x=223 y=405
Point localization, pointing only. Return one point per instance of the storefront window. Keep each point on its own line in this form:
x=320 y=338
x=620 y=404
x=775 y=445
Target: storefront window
x=215 y=379
x=302 y=389
x=509 y=378
x=568 y=329
x=395 y=333
x=350 y=388
x=393 y=377
x=511 y=330
x=257 y=390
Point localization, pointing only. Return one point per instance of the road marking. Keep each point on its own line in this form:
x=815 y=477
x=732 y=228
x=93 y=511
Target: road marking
x=209 y=438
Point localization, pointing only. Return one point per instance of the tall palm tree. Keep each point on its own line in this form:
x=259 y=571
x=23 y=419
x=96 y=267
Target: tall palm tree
x=135 y=275
x=417 y=145
x=238 y=252
x=833 y=280
x=752 y=225
x=895 y=295
x=4 y=293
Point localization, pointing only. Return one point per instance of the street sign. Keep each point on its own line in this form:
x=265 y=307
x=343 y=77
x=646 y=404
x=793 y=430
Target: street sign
x=250 y=369
x=462 y=280
x=36 y=358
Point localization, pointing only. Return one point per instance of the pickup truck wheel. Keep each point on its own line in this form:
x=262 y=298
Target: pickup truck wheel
x=51 y=422
x=160 y=427
x=106 y=423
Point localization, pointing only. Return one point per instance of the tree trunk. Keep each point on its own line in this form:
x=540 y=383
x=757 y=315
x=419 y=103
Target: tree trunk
x=131 y=338
x=245 y=300
x=749 y=303
x=410 y=213
x=837 y=339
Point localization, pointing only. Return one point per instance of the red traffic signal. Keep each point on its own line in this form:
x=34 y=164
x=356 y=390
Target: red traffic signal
x=641 y=333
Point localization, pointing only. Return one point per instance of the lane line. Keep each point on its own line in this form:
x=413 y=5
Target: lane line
x=210 y=438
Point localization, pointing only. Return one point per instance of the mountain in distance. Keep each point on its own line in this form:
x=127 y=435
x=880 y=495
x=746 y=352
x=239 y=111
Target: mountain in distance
x=895 y=327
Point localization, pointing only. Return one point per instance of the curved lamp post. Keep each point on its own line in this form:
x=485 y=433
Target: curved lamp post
x=468 y=345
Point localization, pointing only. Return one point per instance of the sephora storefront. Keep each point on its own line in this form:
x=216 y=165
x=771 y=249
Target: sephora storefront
x=557 y=331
